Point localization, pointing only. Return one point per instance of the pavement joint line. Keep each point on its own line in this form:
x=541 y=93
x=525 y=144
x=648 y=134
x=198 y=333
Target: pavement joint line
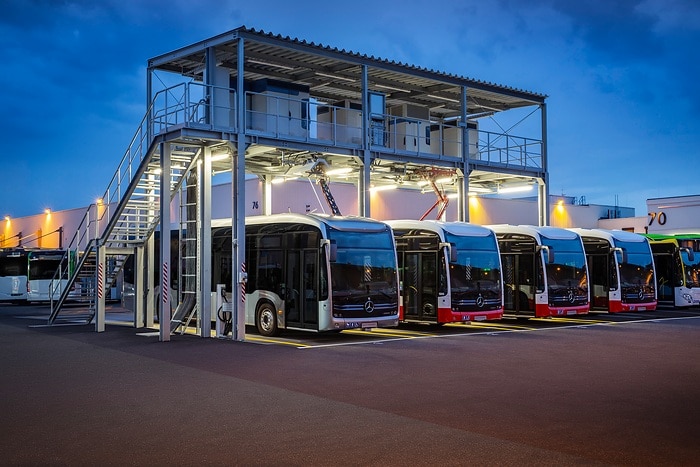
x=492 y=333
x=503 y=326
x=263 y=340
x=387 y=332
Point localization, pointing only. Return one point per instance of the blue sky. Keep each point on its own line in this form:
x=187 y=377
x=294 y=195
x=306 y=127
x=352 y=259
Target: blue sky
x=621 y=76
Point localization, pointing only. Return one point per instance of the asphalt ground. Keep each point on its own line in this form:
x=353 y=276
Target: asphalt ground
x=625 y=392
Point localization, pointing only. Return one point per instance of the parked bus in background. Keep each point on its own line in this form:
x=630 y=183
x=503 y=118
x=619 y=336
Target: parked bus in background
x=449 y=271
x=43 y=264
x=544 y=271
x=677 y=260
x=13 y=275
x=313 y=272
x=621 y=270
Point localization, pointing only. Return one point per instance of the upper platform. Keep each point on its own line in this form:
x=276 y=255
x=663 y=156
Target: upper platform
x=310 y=99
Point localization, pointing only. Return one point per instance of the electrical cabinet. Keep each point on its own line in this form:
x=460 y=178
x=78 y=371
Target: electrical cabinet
x=410 y=130
x=280 y=108
x=341 y=122
x=452 y=140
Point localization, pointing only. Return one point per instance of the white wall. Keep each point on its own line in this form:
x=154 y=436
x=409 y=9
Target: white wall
x=680 y=214
x=673 y=215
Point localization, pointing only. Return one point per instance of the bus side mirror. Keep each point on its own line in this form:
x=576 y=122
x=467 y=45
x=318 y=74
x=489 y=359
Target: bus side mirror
x=332 y=249
x=549 y=254
x=623 y=258
x=451 y=249
x=691 y=254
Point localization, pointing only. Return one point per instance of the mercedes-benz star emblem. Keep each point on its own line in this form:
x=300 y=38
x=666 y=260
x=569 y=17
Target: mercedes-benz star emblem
x=480 y=301
x=369 y=306
x=571 y=296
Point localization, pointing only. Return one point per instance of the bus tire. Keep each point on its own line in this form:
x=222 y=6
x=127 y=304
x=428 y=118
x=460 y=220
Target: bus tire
x=266 y=320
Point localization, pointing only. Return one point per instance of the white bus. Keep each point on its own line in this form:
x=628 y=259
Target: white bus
x=677 y=263
x=449 y=271
x=313 y=272
x=41 y=284
x=544 y=271
x=621 y=267
x=13 y=275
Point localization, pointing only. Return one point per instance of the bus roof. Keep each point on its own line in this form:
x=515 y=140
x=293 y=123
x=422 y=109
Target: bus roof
x=46 y=254
x=555 y=233
x=685 y=236
x=13 y=252
x=349 y=223
x=611 y=235
x=462 y=229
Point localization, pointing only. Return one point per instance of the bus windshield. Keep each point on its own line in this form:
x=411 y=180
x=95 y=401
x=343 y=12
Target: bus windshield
x=639 y=268
x=13 y=266
x=42 y=267
x=566 y=276
x=477 y=269
x=364 y=271
x=692 y=269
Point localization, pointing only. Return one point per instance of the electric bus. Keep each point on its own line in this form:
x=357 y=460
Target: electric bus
x=621 y=267
x=544 y=271
x=677 y=260
x=43 y=264
x=13 y=275
x=449 y=271
x=313 y=272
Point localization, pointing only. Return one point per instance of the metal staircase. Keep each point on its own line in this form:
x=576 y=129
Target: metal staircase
x=128 y=213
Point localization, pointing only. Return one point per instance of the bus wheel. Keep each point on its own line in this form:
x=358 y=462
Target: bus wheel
x=266 y=320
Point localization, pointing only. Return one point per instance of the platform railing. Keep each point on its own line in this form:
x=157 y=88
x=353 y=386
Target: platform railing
x=508 y=150
x=308 y=120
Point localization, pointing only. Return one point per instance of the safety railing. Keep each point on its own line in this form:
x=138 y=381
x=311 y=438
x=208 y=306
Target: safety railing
x=307 y=120
x=511 y=151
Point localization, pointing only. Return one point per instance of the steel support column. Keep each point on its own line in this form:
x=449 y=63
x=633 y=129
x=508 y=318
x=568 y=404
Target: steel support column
x=165 y=269
x=204 y=244
x=543 y=194
x=238 y=206
x=149 y=275
x=100 y=272
x=363 y=199
x=463 y=182
x=139 y=287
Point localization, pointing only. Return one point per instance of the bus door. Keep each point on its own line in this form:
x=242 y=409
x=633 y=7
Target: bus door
x=301 y=289
x=669 y=271
x=420 y=281
x=518 y=281
x=602 y=278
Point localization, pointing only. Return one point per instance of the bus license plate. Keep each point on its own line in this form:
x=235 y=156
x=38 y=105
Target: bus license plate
x=570 y=312
x=480 y=318
x=369 y=325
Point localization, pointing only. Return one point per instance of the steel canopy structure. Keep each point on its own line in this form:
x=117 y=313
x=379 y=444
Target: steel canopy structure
x=335 y=76
x=248 y=101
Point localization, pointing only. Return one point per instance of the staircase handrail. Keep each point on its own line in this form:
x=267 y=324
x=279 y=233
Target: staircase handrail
x=130 y=167
x=70 y=278
x=143 y=132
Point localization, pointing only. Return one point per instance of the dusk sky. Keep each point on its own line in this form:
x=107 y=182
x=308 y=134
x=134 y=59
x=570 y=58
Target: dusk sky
x=621 y=76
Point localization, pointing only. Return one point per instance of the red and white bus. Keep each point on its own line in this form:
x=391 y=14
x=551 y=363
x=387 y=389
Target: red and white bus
x=449 y=271
x=621 y=267
x=544 y=271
